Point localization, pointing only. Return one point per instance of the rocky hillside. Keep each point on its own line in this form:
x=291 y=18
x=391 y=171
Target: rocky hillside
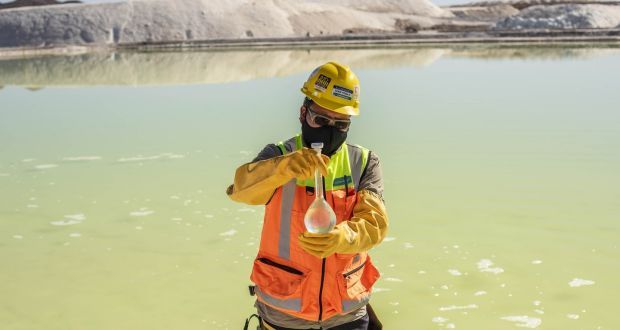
x=186 y=20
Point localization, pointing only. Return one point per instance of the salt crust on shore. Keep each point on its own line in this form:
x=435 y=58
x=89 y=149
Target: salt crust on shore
x=570 y=16
x=143 y=21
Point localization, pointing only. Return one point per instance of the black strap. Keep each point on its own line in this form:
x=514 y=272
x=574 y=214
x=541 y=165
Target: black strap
x=247 y=321
x=374 y=323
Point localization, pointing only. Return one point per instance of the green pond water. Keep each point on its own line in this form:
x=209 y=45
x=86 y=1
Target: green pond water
x=501 y=170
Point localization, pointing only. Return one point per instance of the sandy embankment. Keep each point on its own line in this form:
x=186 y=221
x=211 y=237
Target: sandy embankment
x=113 y=24
x=269 y=22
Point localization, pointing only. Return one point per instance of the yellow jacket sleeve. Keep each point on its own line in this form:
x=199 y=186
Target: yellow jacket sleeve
x=256 y=182
x=368 y=225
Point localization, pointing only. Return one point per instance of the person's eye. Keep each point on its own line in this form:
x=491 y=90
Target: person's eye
x=321 y=121
x=342 y=125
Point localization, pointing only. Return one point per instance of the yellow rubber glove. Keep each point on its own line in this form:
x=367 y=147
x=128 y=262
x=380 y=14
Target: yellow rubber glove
x=255 y=182
x=367 y=228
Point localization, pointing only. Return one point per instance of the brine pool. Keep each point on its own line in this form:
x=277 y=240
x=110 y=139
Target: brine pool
x=501 y=168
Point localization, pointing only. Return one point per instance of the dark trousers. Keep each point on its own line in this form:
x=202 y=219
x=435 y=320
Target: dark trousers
x=360 y=324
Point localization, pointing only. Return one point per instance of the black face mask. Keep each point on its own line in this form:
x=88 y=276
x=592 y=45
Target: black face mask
x=331 y=137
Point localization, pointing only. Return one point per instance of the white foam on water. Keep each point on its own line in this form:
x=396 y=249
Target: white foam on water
x=539 y=311
x=139 y=228
x=208 y=216
x=573 y=316
x=439 y=319
x=450 y=326
x=177 y=219
x=454 y=272
x=445 y=287
x=524 y=321
x=244 y=152
x=393 y=279
x=187 y=202
x=536 y=262
x=5 y=174
x=76 y=217
x=70 y=219
x=45 y=166
x=408 y=245
x=536 y=302
x=18 y=236
x=454 y=307
x=32 y=206
x=577 y=282
x=391 y=265
x=389 y=239
x=75 y=235
x=65 y=222
x=421 y=272
x=484 y=265
x=143 y=212
x=229 y=233
x=480 y=293
x=141 y=158
x=175 y=197
x=377 y=289
x=28 y=160
x=81 y=158
x=394 y=303
x=246 y=209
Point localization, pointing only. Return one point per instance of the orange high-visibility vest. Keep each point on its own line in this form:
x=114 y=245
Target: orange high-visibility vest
x=293 y=281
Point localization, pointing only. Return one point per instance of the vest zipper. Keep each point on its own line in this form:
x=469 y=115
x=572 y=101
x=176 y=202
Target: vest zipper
x=280 y=266
x=321 y=291
x=322 y=270
x=354 y=270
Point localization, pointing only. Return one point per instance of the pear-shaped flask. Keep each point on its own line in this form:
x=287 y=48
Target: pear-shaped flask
x=320 y=217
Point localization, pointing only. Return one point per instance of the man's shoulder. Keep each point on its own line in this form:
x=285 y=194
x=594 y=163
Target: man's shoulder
x=269 y=151
x=361 y=149
x=273 y=149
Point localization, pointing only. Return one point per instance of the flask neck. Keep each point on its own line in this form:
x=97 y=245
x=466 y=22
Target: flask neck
x=318 y=184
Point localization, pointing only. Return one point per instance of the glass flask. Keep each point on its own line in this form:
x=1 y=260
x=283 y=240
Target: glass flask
x=320 y=218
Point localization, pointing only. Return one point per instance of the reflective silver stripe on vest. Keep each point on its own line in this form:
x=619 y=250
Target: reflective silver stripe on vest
x=355 y=161
x=288 y=196
x=292 y=304
x=351 y=305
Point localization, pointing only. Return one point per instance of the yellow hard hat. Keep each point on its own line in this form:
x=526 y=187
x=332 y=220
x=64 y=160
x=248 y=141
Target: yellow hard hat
x=335 y=87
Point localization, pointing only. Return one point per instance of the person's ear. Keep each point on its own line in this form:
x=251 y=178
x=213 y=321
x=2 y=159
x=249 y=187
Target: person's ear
x=302 y=114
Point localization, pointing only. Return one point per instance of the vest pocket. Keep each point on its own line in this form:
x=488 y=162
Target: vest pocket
x=276 y=279
x=355 y=284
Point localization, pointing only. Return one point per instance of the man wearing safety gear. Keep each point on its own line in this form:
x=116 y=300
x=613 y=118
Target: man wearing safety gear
x=306 y=280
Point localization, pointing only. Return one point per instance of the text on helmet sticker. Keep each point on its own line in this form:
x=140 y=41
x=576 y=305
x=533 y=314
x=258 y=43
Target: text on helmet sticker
x=343 y=93
x=322 y=82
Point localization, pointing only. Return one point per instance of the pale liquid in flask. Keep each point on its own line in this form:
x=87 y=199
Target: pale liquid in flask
x=320 y=218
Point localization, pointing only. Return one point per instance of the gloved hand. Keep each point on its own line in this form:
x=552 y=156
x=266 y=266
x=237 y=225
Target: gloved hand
x=255 y=182
x=367 y=228
x=301 y=164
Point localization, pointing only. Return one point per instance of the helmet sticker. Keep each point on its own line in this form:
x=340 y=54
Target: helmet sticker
x=322 y=82
x=356 y=92
x=343 y=93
